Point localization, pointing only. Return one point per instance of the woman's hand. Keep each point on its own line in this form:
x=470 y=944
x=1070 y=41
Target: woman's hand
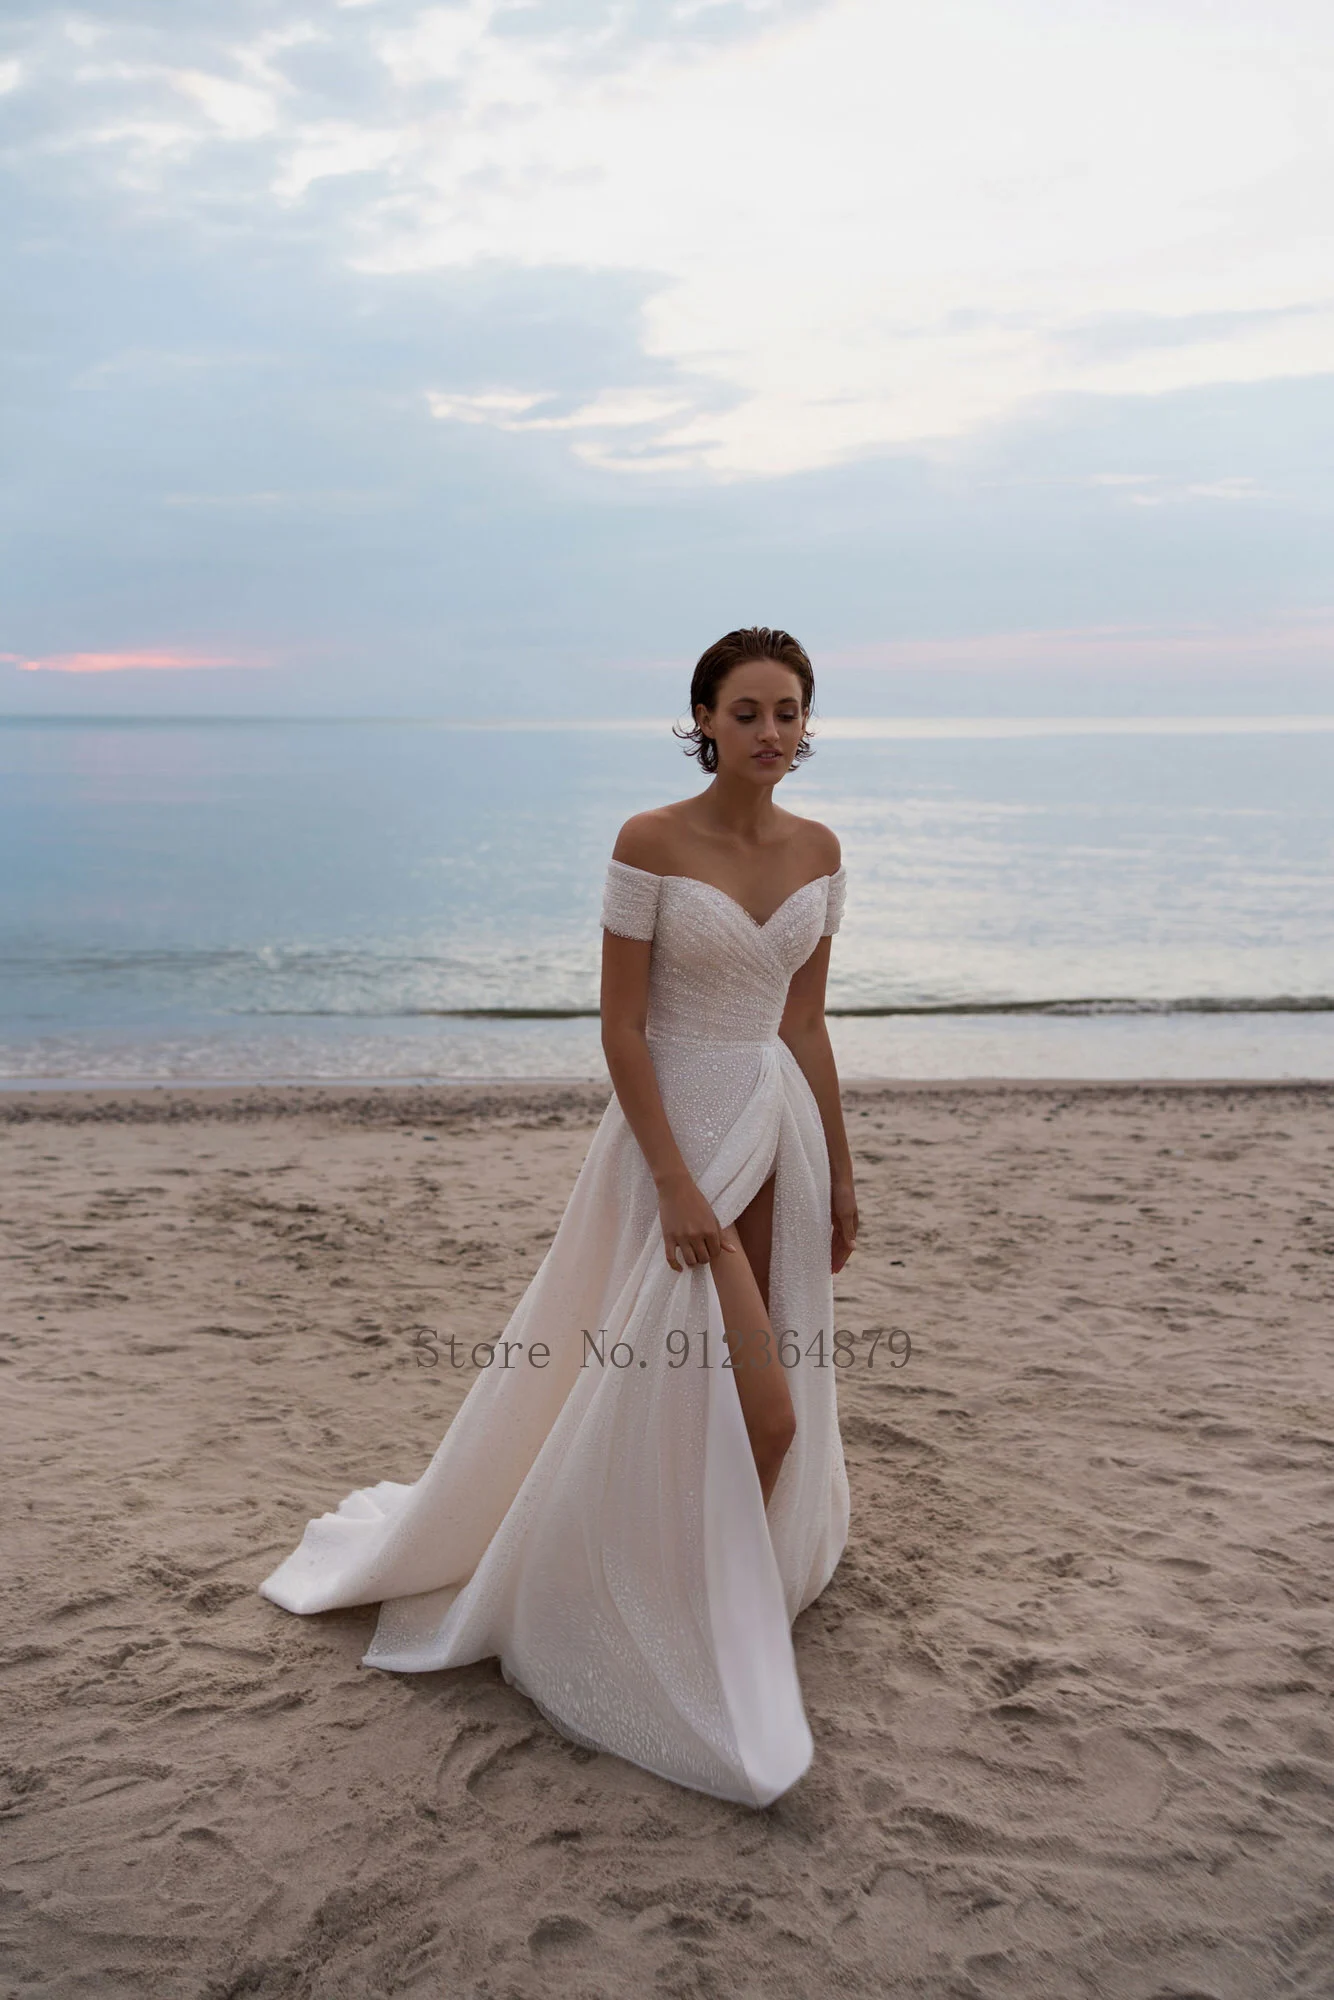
x=843 y=1214
x=691 y=1233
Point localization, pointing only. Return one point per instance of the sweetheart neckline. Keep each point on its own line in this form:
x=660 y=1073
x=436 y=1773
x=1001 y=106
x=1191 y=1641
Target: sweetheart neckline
x=741 y=906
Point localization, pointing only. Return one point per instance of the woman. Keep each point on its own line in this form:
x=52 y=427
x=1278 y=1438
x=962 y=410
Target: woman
x=646 y=1485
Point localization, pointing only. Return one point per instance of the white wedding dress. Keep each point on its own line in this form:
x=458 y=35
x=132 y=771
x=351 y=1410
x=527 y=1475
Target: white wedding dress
x=598 y=1524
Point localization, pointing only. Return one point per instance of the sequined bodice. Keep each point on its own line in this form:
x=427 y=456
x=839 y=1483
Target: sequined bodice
x=716 y=975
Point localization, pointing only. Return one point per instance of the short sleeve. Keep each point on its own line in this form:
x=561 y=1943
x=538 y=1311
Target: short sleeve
x=837 y=897
x=630 y=901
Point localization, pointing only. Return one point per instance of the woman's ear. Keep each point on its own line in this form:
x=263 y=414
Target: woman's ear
x=702 y=718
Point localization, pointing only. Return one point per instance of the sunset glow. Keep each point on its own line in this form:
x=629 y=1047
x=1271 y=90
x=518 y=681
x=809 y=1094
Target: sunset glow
x=156 y=659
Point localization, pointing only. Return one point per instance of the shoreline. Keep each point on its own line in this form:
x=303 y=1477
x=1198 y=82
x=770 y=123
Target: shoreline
x=394 y=1101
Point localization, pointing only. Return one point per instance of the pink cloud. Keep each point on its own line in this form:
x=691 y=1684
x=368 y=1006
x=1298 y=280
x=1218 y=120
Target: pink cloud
x=158 y=659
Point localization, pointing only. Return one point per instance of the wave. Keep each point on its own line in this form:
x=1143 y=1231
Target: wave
x=1312 y=1003
x=1283 y=1003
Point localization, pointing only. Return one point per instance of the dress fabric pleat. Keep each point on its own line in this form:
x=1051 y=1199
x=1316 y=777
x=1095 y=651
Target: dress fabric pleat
x=598 y=1526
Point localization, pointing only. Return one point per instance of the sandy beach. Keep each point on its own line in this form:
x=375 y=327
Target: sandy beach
x=1070 y=1688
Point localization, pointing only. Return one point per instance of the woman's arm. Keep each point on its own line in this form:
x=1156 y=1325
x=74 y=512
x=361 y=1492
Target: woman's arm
x=689 y=1225
x=803 y=1029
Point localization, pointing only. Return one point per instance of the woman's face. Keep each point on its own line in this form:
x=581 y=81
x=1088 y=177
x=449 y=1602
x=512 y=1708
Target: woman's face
x=758 y=721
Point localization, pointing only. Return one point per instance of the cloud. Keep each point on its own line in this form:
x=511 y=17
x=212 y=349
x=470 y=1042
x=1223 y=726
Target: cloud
x=235 y=110
x=861 y=224
x=1116 y=335
x=155 y=659
x=1140 y=489
x=439 y=354
x=604 y=421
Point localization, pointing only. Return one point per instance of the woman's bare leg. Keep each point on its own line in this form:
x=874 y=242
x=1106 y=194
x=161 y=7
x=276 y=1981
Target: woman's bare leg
x=755 y=1227
x=766 y=1400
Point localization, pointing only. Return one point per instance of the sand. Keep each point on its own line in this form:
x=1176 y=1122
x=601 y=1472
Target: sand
x=1070 y=1688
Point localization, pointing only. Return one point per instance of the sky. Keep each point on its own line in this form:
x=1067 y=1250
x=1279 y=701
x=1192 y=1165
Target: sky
x=494 y=357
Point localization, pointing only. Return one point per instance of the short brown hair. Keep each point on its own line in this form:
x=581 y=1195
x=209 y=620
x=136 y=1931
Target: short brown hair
x=748 y=642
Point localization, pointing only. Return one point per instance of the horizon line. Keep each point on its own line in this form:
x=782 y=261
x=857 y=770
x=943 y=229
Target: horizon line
x=845 y=728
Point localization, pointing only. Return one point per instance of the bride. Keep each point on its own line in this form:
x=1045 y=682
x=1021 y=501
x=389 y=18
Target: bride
x=646 y=1485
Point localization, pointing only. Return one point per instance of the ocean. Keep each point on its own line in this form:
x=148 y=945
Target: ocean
x=213 y=900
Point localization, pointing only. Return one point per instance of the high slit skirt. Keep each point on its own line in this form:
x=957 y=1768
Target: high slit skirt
x=592 y=1517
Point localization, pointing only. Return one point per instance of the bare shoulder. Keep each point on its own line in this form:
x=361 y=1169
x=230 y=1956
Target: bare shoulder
x=664 y=841
x=650 y=840
x=819 y=844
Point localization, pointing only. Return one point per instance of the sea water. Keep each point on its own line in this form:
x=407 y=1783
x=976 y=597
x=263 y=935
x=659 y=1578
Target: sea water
x=218 y=899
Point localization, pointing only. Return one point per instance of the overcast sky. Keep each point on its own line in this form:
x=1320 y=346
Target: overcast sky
x=370 y=357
